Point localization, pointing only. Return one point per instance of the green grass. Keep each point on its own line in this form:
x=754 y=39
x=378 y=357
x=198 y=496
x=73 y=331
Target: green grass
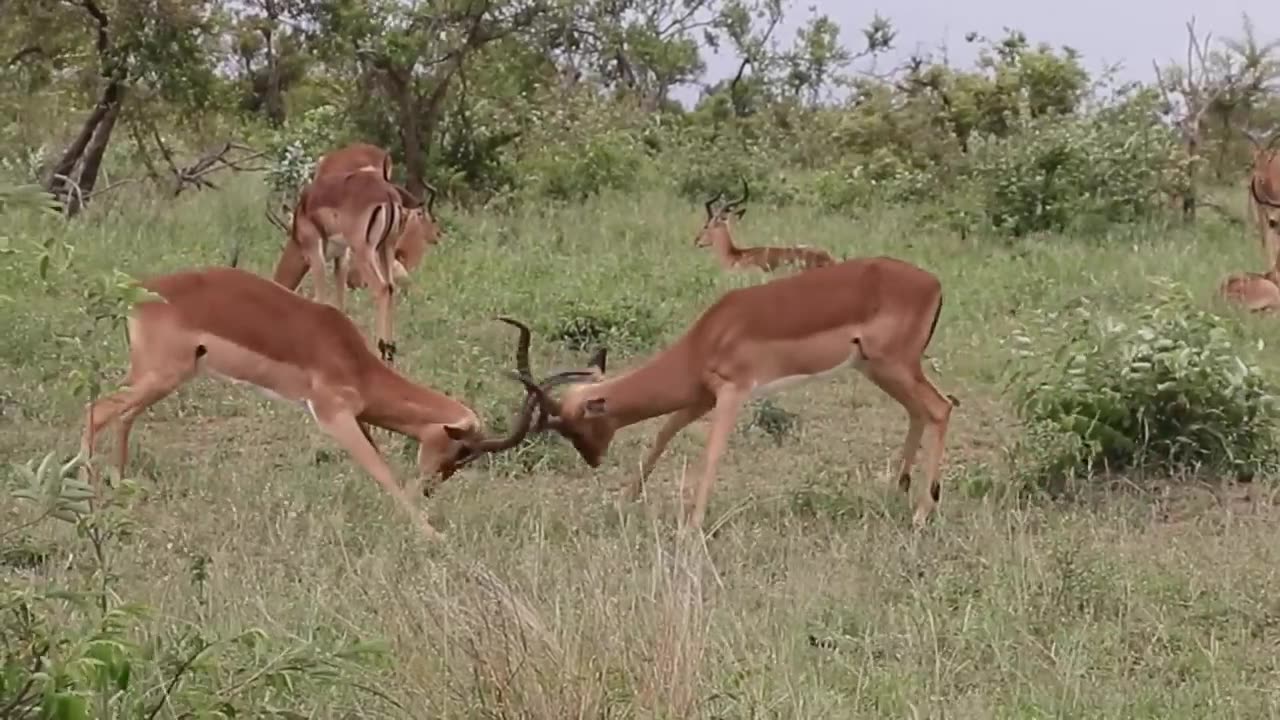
x=813 y=598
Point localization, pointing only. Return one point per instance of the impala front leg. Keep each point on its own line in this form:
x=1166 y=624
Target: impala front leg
x=729 y=402
x=383 y=298
x=318 y=274
x=341 y=273
x=676 y=422
x=343 y=427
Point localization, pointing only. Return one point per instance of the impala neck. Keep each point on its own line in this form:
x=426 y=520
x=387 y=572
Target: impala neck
x=722 y=244
x=400 y=405
x=663 y=384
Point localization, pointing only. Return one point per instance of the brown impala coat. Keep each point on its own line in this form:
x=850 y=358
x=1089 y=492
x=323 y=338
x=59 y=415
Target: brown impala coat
x=875 y=314
x=247 y=329
x=1264 y=200
x=716 y=234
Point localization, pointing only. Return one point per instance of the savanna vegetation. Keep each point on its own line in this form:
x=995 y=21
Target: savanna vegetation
x=1105 y=545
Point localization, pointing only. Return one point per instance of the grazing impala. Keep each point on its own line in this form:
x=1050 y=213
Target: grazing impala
x=340 y=217
x=874 y=314
x=716 y=235
x=246 y=329
x=1264 y=194
x=412 y=243
x=358 y=157
x=352 y=158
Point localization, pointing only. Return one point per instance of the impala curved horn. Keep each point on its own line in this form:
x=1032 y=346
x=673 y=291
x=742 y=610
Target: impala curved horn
x=522 y=345
x=534 y=400
x=519 y=427
x=746 y=193
x=598 y=360
x=711 y=202
x=1257 y=196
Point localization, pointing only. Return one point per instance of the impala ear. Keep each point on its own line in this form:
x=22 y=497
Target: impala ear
x=595 y=407
x=598 y=360
x=457 y=432
x=740 y=211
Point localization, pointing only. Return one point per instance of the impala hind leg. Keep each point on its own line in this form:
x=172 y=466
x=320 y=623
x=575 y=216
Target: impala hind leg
x=343 y=427
x=341 y=275
x=729 y=402
x=676 y=422
x=928 y=411
x=149 y=382
x=318 y=282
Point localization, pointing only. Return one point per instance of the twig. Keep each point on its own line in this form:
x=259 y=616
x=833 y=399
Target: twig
x=177 y=677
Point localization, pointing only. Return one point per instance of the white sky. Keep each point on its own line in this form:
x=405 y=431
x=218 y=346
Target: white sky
x=1104 y=31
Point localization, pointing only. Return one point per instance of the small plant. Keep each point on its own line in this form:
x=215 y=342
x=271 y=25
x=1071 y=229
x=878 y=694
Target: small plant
x=1165 y=392
x=773 y=420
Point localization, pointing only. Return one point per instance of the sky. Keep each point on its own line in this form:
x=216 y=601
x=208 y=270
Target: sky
x=1132 y=32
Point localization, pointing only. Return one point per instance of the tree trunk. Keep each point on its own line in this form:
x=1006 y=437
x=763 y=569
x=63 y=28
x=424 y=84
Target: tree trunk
x=59 y=181
x=96 y=149
x=1189 y=197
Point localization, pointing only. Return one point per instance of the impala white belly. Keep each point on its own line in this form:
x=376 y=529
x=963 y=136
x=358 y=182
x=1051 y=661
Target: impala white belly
x=231 y=363
x=855 y=361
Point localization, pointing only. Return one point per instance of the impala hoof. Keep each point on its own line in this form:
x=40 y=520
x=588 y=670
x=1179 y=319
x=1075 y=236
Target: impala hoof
x=387 y=350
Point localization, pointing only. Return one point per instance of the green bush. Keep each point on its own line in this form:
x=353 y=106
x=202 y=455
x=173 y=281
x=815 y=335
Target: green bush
x=1165 y=392
x=1059 y=172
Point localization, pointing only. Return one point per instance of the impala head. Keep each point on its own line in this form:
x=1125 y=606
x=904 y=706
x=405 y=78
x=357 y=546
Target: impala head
x=420 y=233
x=581 y=415
x=718 y=219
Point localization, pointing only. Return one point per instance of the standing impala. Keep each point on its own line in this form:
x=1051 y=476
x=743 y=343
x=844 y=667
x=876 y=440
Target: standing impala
x=244 y=328
x=716 y=235
x=354 y=216
x=1264 y=194
x=875 y=314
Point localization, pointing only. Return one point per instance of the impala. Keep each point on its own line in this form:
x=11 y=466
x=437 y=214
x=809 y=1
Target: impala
x=357 y=157
x=411 y=244
x=715 y=233
x=874 y=314
x=1256 y=292
x=1264 y=194
x=238 y=326
x=340 y=217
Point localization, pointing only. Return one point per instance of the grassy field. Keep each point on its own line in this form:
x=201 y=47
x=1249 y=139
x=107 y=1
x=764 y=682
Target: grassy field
x=811 y=597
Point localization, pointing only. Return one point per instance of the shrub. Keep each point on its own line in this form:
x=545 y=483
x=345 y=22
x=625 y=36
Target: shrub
x=1165 y=392
x=1058 y=172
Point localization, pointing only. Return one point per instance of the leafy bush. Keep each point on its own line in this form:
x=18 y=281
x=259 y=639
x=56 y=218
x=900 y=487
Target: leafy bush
x=1165 y=392
x=1058 y=172
x=573 y=170
x=297 y=146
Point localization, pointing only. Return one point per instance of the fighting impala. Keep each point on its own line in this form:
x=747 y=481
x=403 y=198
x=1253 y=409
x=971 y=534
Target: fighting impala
x=876 y=315
x=1264 y=193
x=349 y=216
x=716 y=234
x=244 y=328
